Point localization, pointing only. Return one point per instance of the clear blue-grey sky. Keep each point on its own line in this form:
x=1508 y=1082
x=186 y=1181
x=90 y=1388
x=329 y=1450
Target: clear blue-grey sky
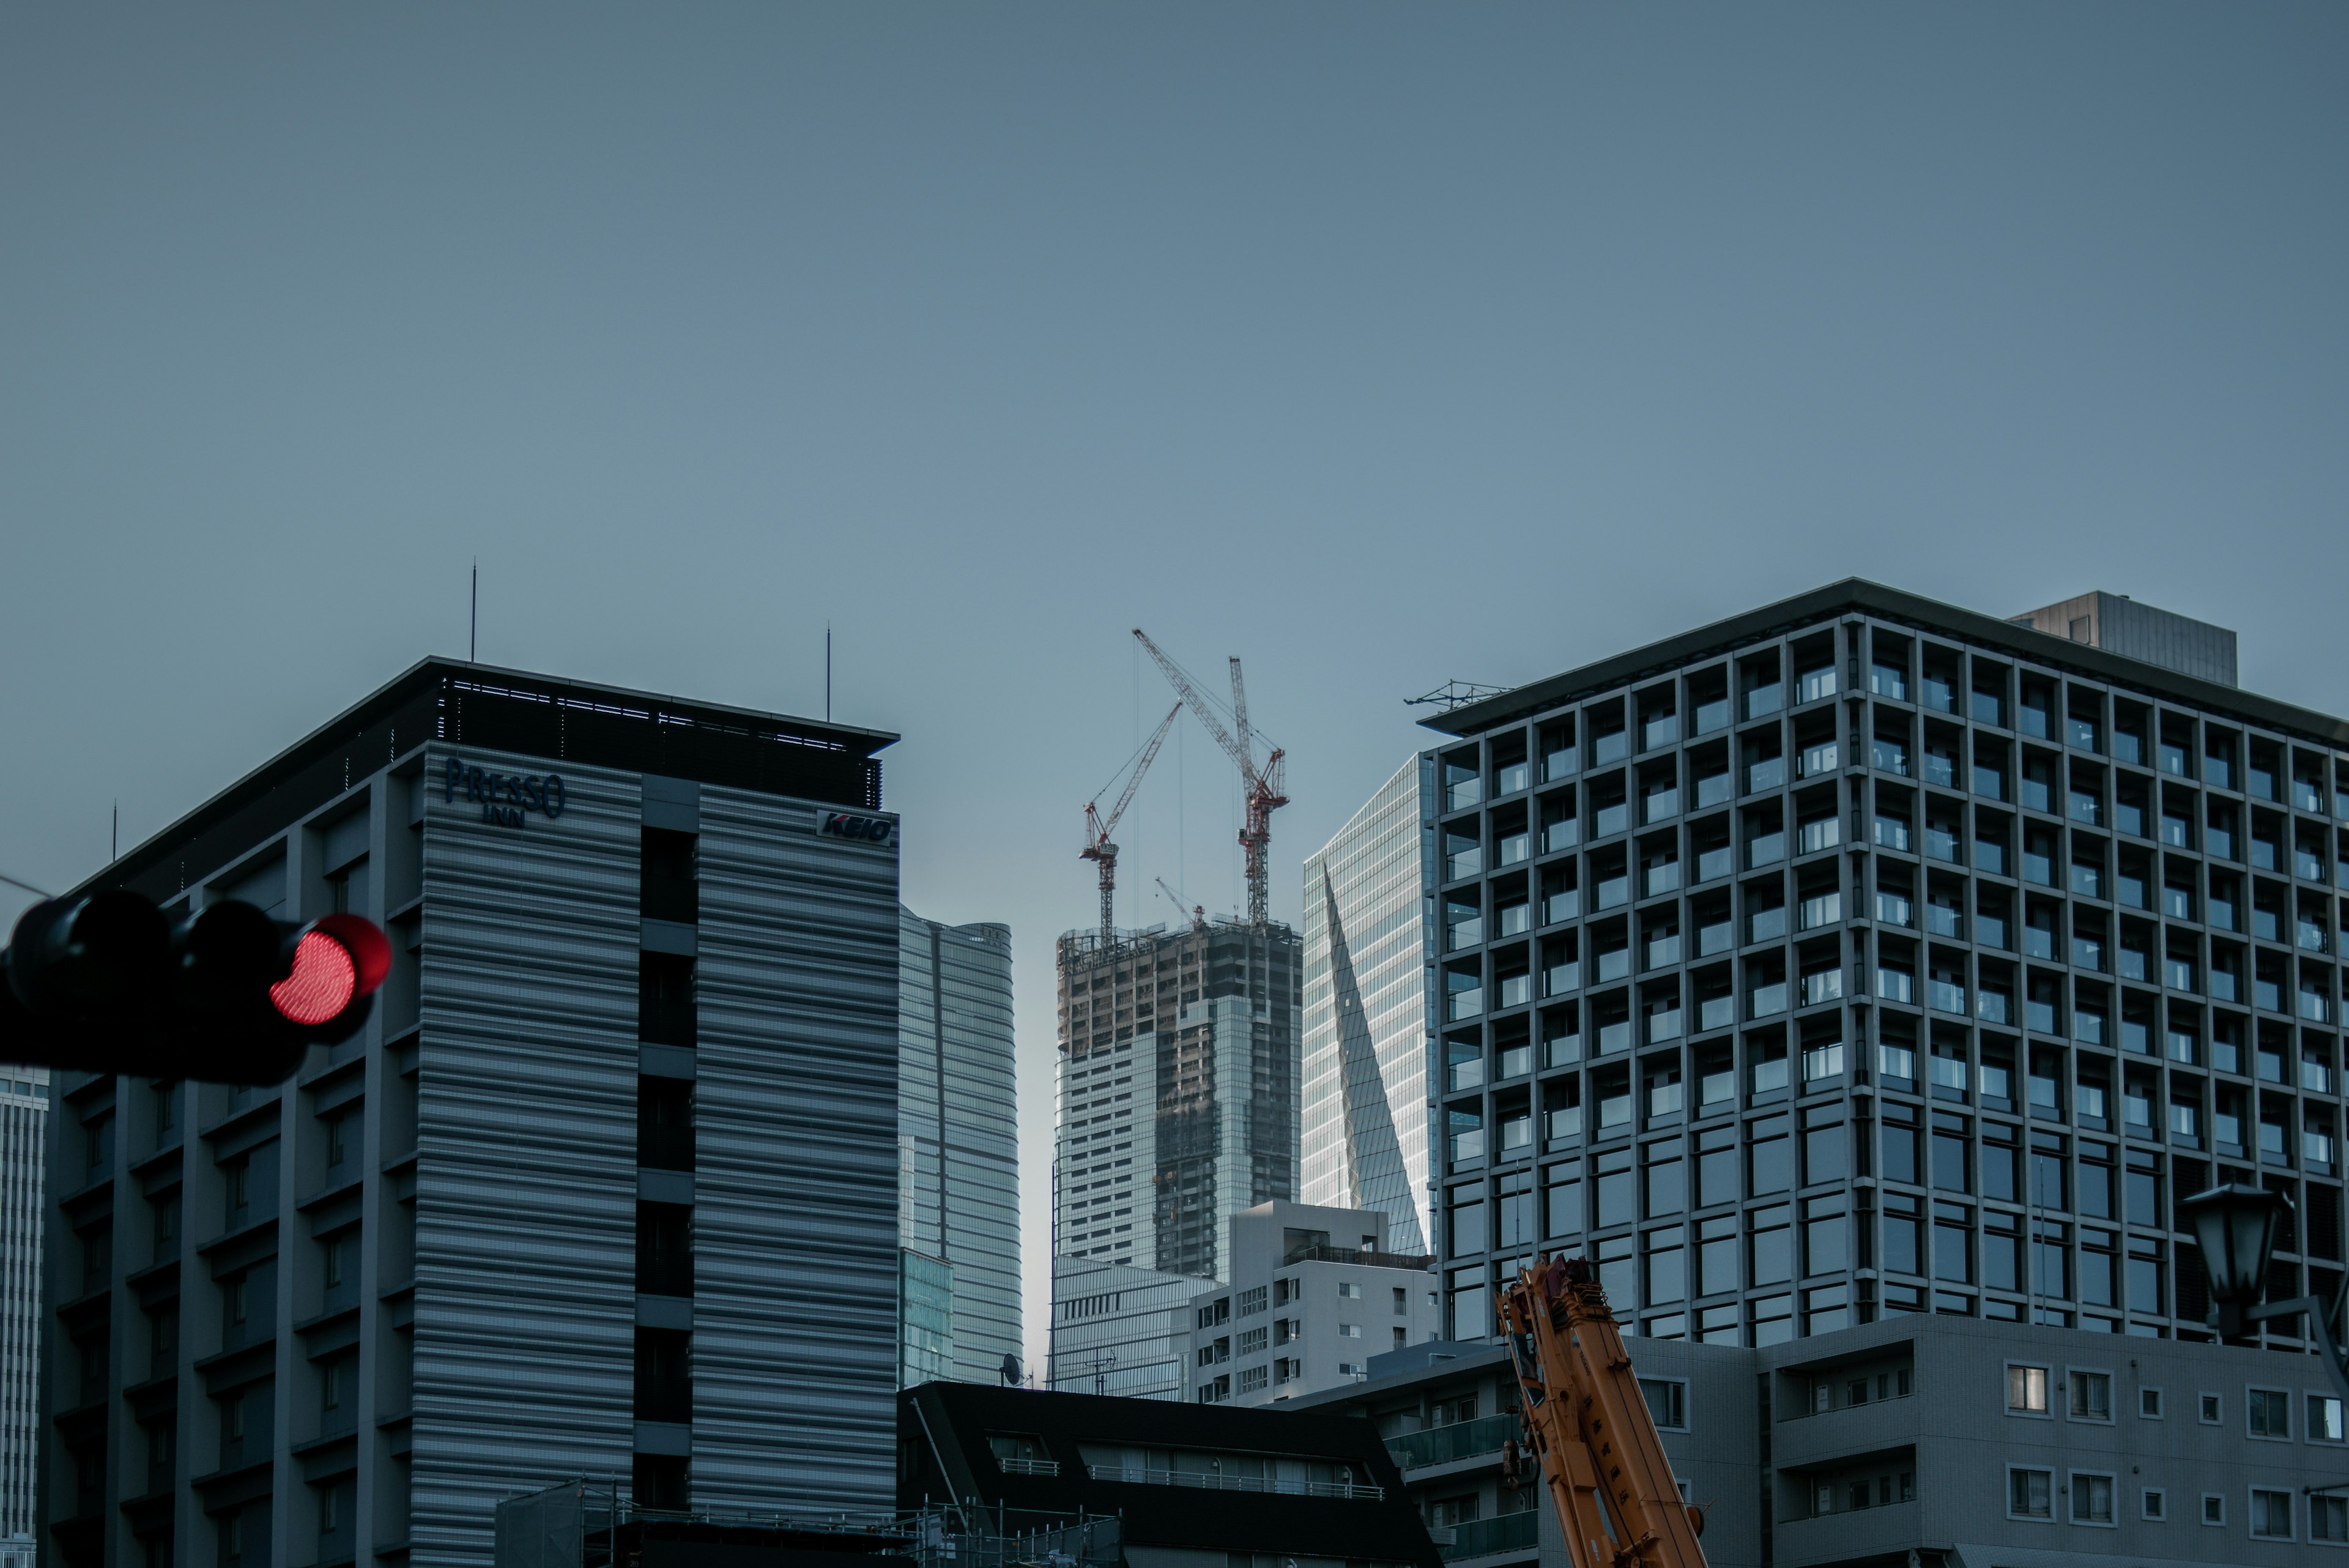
x=1378 y=345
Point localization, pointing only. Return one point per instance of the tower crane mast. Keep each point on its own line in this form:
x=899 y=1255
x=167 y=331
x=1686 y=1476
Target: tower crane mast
x=1264 y=786
x=1098 y=849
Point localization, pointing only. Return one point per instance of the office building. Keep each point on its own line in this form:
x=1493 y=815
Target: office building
x=1178 y=1090
x=959 y=1140
x=2118 y=624
x=1861 y=955
x=1314 y=1293
x=1936 y=1439
x=1119 y=1330
x=605 y=1187
x=1363 y=1136
x=23 y=1132
x=1187 y=1487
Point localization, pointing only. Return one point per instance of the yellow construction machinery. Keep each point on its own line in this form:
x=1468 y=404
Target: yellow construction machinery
x=1585 y=1419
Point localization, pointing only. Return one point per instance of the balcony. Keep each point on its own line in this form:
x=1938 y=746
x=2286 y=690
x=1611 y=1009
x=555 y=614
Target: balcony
x=1461 y=1440
x=1282 y=1485
x=1519 y=1532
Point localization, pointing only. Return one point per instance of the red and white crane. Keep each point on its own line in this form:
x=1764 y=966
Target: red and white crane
x=1098 y=847
x=1264 y=785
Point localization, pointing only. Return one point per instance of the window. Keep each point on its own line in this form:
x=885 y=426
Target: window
x=2270 y=1514
x=2324 y=1419
x=2214 y=1509
x=2030 y=1494
x=1349 y=1290
x=2092 y=1395
x=2152 y=1503
x=2268 y=1411
x=2149 y=1404
x=2328 y=1519
x=1667 y=1402
x=2092 y=1499
x=2209 y=1409
x=2026 y=1390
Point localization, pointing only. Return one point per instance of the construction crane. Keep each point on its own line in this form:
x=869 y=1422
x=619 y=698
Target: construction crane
x=1264 y=785
x=1602 y=1461
x=1198 y=911
x=1098 y=847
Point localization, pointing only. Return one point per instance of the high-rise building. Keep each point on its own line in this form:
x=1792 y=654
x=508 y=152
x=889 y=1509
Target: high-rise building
x=958 y=1138
x=607 y=1188
x=24 y=1131
x=1178 y=1090
x=1368 y=1084
x=1860 y=955
x=1119 y=1330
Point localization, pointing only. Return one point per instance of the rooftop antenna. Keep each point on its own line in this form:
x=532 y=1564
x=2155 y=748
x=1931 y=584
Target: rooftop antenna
x=114 y=841
x=827 y=672
x=473 y=637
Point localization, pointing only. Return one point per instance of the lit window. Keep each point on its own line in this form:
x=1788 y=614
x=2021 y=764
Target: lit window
x=2026 y=1390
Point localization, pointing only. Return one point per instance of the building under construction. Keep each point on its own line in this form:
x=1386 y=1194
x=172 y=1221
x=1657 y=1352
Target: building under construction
x=1178 y=1089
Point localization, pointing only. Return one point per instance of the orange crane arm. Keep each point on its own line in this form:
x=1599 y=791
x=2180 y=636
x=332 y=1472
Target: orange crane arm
x=1601 y=1457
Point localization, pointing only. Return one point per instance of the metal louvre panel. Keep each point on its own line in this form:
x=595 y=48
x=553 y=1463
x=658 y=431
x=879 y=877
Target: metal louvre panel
x=795 y=1259
x=525 y=1250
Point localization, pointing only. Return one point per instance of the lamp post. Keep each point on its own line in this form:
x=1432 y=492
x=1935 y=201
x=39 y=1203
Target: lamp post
x=2235 y=1225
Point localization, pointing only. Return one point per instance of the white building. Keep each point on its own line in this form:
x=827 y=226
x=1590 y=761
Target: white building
x=1367 y=1088
x=1119 y=1330
x=1314 y=1293
x=24 y=1123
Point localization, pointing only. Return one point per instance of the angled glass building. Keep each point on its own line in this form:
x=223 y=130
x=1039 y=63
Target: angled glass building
x=957 y=1132
x=1860 y=955
x=1366 y=1082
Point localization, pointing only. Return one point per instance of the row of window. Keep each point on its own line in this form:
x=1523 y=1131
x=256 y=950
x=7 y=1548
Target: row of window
x=2030 y=1496
x=2088 y=1396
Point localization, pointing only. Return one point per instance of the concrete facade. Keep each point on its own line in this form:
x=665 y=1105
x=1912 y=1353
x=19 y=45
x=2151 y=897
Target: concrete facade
x=1314 y=1293
x=1899 y=1442
x=607 y=1186
x=2119 y=624
x=1369 y=1085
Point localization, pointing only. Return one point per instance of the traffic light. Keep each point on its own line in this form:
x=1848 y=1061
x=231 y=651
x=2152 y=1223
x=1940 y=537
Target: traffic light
x=109 y=983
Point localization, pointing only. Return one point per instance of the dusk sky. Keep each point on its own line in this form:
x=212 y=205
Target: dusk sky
x=1376 y=345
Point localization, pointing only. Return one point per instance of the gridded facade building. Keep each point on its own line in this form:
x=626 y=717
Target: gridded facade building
x=606 y=1187
x=1862 y=955
x=1364 y=1138
x=1178 y=1090
x=958 y=1138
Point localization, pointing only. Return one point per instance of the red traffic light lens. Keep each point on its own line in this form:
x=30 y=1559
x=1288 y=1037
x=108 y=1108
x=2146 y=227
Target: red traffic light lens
x=324 y=980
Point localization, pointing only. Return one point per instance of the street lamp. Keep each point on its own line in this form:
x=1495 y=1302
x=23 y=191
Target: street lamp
x=2235 y=1225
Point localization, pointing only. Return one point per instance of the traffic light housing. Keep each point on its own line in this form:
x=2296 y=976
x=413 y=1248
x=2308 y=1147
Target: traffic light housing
x=109 y=983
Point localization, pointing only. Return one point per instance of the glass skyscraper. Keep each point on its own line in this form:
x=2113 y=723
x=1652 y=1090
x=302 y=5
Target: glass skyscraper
x=1366 y=1083
x=957 y=1134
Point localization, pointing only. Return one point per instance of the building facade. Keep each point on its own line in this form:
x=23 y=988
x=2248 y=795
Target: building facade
x=958 y=1135
x=1178 y=1090
x=1943 y=1440
x=23 y=1132
x=606 y=1187
x=1861 y=955
x=1119 y=1330
x=1367 y=1082
x=1314 y=1293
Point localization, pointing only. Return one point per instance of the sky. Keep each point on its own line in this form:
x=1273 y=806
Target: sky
x=1377 y=344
